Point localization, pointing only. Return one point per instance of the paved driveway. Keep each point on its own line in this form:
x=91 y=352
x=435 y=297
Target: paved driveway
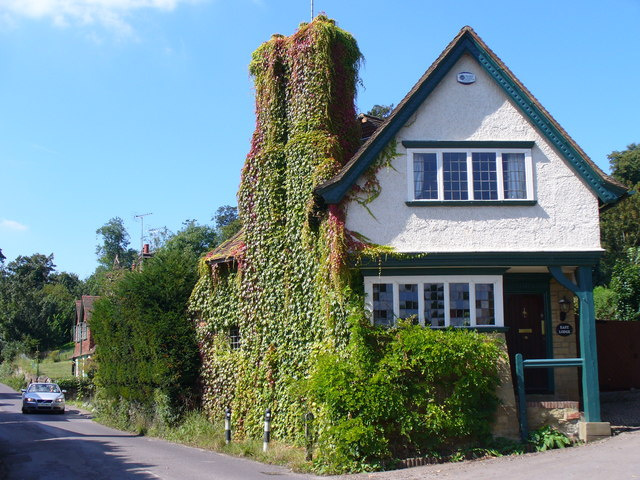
x=616 y=458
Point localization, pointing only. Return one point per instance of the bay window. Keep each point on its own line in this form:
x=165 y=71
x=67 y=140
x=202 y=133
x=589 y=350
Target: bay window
x=436 y=301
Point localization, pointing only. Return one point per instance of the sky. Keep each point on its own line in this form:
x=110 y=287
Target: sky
x=118 y=108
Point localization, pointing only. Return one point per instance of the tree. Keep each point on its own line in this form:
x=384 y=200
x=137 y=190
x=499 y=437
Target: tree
x=2 y=257
x=380 y=111
x=620 y=225
x=146 y=345
x=114 y=251
x=625 y=165
x=36 y=303
x=625 y=284
x=227 y=222
x=193 y=238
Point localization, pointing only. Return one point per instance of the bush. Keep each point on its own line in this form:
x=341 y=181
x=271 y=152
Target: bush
x=9 y=377
x=403 y=392
x=604 y=302
x=625 y=284
x=54 y=355
x=77 y=388
x=146 y=345
x=548 y=438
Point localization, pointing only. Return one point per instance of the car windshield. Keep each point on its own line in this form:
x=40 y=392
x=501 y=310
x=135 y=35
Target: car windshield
x=43 y=388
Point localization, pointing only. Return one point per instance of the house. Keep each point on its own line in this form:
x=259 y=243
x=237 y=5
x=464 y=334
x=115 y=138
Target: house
x=504 y=205
x=84 y=344
x=491 y=210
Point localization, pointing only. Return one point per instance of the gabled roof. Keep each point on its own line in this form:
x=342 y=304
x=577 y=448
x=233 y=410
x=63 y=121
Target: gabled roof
x=227 y=250
x=608 y=190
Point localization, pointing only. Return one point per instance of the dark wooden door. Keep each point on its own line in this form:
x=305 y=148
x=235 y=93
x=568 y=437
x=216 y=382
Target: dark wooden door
x=524 y=315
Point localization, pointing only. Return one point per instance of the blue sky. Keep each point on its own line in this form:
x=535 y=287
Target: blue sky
x=122 y=107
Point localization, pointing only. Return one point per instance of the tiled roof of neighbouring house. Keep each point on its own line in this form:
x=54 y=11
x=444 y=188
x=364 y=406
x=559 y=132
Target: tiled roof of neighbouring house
x=227 y=250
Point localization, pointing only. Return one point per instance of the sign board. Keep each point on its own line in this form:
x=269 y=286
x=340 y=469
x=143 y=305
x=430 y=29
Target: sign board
x=564 y=329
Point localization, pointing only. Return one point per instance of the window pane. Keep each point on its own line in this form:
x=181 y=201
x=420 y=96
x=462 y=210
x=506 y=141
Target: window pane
x=425 y=176
x=485 y=312
x=408 y=297
x=459 y=312
x=455 y=176
x=434 y=304
x=234 y=337
x=515 y=183
x=383 y=304
x=485 y=183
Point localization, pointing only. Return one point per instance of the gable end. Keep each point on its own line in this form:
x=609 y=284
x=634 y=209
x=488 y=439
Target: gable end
x=608 y=190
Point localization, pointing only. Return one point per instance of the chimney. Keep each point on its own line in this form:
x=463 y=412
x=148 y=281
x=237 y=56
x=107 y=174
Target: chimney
x=145 y=249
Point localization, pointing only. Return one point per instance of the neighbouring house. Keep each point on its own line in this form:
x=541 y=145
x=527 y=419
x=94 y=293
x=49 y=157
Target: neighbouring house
x=497 y=210
x=84 y=345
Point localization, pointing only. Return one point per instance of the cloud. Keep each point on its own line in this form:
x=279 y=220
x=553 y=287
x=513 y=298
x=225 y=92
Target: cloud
x=110 y=14
x=12 y=225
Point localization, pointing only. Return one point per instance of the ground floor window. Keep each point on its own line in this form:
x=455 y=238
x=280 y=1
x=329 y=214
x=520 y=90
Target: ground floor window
x=436 y=301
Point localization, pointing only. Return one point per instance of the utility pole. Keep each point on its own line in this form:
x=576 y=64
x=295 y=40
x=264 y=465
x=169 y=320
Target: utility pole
x=312 y=10
x=141 y=217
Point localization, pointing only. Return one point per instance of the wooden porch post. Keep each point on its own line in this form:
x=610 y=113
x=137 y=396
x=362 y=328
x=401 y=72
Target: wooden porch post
x=584 y=291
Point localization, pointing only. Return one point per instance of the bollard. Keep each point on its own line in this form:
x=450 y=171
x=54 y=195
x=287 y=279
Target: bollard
x=227 y=425
x=308 y=435
x=267 y=430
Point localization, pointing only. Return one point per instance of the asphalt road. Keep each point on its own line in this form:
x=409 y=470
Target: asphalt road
x=71 y=446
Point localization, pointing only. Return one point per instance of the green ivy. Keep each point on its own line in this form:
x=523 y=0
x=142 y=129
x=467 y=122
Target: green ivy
x=288 y=290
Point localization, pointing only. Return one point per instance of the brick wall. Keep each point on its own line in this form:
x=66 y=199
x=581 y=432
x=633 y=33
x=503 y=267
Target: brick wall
x=567 y=378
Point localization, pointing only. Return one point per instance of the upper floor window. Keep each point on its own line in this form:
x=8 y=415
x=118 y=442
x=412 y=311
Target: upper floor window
x=477 y=174
x=437 y=301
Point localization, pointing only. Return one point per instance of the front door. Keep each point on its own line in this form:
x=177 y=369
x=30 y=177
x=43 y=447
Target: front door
x=524 y=315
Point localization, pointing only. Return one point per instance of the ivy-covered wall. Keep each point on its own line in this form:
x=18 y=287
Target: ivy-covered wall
x=289 y=294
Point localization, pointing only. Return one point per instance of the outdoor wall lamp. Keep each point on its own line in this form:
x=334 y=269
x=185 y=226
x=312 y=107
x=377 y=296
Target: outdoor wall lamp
x=565 y=306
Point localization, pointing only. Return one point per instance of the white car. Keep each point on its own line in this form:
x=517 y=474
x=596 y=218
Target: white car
x=43 y=397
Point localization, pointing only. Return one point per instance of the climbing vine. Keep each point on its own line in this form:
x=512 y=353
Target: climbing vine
x=289 y=298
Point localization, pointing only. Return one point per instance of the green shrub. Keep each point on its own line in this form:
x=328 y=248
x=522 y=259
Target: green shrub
x=9 y=377
x=77 y=388
x=625 y=284
x=54 y=355
x=403 y=392
x=146 y=345
x=548 y=438
x=604 y=300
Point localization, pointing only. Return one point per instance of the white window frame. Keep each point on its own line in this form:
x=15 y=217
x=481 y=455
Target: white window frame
x=472 y=280
x=528 y=163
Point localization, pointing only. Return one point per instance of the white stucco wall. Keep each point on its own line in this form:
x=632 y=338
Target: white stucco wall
x=565 y=217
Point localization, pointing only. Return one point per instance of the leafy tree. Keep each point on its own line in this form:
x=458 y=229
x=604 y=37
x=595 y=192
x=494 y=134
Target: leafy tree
x=227 y=222
x=114 y=249
x=146 y=345
x=620 y=226
x=381 y=111
x=194 y=238
x=2 y=257
x=625 y=165
x=625 y=284
x=36 y=303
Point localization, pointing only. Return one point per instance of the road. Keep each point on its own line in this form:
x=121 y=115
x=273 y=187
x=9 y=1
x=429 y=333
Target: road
x=71 y=446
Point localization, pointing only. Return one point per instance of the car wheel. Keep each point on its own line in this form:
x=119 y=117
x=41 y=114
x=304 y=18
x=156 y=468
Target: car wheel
x=61 y=412
x=24 y=410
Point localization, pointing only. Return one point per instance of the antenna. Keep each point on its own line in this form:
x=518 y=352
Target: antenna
x=141 y=217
